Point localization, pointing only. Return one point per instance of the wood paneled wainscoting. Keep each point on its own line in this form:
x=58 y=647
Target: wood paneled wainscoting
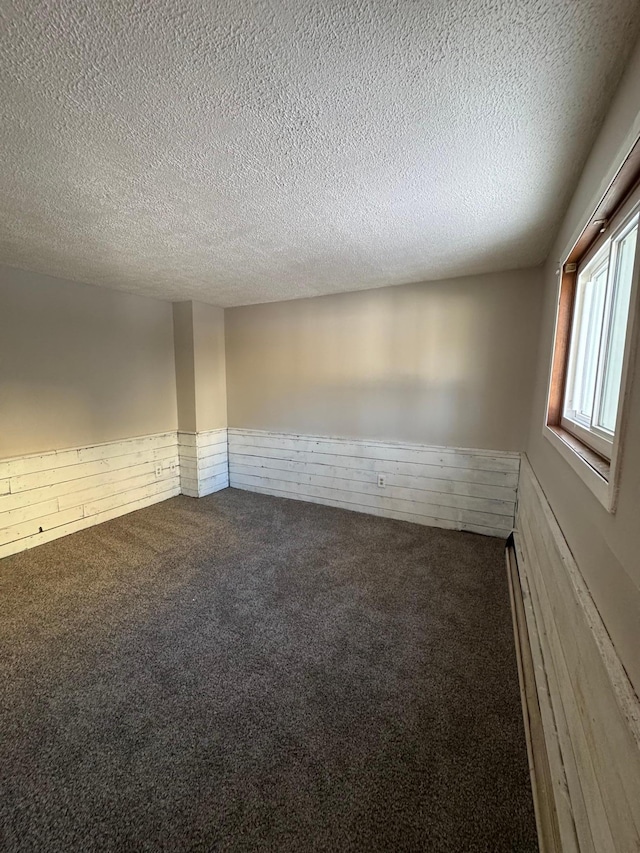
x=583 y=714
x=459 y=489
x=47 y=495
x=204 y=462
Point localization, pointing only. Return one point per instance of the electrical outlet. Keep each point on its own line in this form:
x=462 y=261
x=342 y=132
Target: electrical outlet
x=158 y=470
x=382 y=480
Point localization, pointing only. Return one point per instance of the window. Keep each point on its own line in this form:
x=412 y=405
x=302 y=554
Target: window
x=599 y=327
x=594 y=331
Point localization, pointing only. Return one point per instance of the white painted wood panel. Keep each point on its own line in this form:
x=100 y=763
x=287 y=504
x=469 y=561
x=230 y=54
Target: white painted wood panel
x=451 y=457
x=16 y=532
x=212 y=439
x=74 y=526
x=204 y=462
x=56 y=459
x=196 y=454
x=207 y=457
x=33 y=496
x=118 y=487
x=196 y=464
x=112 y=501
x=208 y=438
x=372 y=510
x=213 y=470
x=458 y=489
x=380 y=465
x=187 y=473
x=56 y=493
x=428 y=510
x=371 y=489
x=414 y=478
x=26 y=513
x=596 y=714
x=26 y=482
x=208 y=485
x=189 y=487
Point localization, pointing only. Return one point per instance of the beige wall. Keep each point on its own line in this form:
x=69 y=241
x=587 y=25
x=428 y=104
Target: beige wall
x=200 y=366
x=185 y=365
x=444 y=363
x=606 y=547
x=80 y=364
x=210 y=373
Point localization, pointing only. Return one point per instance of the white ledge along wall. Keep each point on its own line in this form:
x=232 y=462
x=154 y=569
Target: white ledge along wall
x=427 y=385
x=202 y=397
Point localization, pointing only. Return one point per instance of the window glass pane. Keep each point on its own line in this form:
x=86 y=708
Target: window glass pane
x=586 y=343
x=612 y=373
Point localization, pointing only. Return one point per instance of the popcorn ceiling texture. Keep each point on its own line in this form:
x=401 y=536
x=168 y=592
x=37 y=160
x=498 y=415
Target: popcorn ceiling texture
x=239 y=152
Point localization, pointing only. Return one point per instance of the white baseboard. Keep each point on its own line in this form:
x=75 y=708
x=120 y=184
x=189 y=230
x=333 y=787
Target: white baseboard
x=48 y=495
x=590 y=712
x=204 y=462
x=459 y=489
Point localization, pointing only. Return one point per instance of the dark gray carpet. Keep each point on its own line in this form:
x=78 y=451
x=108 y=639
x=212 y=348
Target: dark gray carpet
x=243 y=672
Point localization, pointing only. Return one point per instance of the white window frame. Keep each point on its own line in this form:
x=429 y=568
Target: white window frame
x=572 y=420
x=603 y=256
x=600 y=470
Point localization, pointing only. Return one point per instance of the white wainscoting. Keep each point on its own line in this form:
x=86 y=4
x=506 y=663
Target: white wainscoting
x=590 y=712
x=204 y=462
x=473 y=490
x=48 y=495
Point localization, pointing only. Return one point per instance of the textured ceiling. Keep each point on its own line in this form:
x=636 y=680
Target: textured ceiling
x=239 y=152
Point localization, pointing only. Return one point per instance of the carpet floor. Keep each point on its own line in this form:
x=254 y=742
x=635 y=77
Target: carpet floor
x=243 y=672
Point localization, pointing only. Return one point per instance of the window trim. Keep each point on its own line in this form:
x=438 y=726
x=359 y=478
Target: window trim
x=607 y=245
x=616 y=208
x=599 y=443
